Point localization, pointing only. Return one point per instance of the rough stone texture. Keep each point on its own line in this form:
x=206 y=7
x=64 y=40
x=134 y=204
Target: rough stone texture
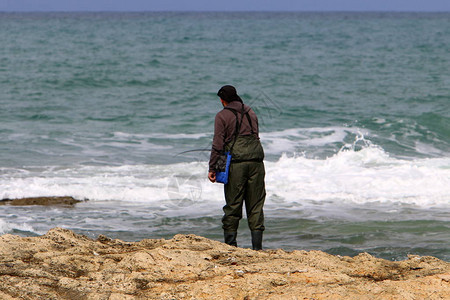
x=65 y=201
x=65 y=265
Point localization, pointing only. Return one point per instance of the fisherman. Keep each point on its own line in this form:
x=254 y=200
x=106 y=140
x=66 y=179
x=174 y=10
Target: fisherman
x=236 y=129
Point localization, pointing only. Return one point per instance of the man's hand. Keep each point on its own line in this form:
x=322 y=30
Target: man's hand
x=212 y=176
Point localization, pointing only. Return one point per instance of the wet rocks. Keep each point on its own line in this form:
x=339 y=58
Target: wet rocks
x=48 y=201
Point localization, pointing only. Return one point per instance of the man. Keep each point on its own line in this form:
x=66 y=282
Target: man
x=236 y=129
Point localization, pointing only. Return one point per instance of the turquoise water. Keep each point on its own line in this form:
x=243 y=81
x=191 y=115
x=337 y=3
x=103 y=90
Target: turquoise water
x=354 y=118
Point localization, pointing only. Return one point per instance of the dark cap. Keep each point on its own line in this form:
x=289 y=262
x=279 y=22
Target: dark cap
x=228 y=93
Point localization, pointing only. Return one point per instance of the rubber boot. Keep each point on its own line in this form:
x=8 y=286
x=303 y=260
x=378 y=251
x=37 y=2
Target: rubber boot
x=230 y=238
x=257 y=239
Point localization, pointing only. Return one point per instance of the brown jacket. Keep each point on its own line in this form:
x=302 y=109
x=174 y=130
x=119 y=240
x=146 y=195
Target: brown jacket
x=224 y=128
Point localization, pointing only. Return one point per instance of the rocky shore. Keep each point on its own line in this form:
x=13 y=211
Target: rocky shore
x=59 y=201
x=65 y=265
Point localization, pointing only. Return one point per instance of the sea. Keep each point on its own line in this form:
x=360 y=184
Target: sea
x=118 y=109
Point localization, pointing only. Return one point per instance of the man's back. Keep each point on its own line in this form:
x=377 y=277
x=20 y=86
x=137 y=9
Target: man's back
x=226 y=122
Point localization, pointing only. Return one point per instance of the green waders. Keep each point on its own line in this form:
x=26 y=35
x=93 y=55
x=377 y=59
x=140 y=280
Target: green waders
x=245 y=184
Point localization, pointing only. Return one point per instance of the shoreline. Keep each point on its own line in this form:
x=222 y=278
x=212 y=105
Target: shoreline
x=64 y=265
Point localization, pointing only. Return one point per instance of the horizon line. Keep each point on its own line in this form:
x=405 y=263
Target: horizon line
x=224 y=11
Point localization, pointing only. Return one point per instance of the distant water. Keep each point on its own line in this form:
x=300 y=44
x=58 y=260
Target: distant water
x=354 y=115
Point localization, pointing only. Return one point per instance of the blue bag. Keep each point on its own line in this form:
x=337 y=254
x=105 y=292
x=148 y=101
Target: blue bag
x=222 y=177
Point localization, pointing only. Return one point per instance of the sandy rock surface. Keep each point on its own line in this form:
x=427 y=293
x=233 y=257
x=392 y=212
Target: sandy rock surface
x=65 y=265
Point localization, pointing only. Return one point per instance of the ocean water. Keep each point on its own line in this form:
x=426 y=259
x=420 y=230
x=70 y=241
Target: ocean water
x=354 y=113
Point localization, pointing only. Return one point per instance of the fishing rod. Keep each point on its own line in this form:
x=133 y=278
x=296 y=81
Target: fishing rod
x=194 y=150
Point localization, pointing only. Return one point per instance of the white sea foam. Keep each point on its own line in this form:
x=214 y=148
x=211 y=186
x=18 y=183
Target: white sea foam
x=290 y=140
x=366 y=176
x=141 y=183
x=6 y=227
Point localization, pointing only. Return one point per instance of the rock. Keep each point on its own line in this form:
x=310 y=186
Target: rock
x=65 y=201
x=64 y=265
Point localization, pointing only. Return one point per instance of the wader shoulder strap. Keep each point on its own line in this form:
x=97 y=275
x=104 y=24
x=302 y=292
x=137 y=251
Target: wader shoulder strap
x=248 y=118
x=237 y=121
x=238 y=124
x=250 y=122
